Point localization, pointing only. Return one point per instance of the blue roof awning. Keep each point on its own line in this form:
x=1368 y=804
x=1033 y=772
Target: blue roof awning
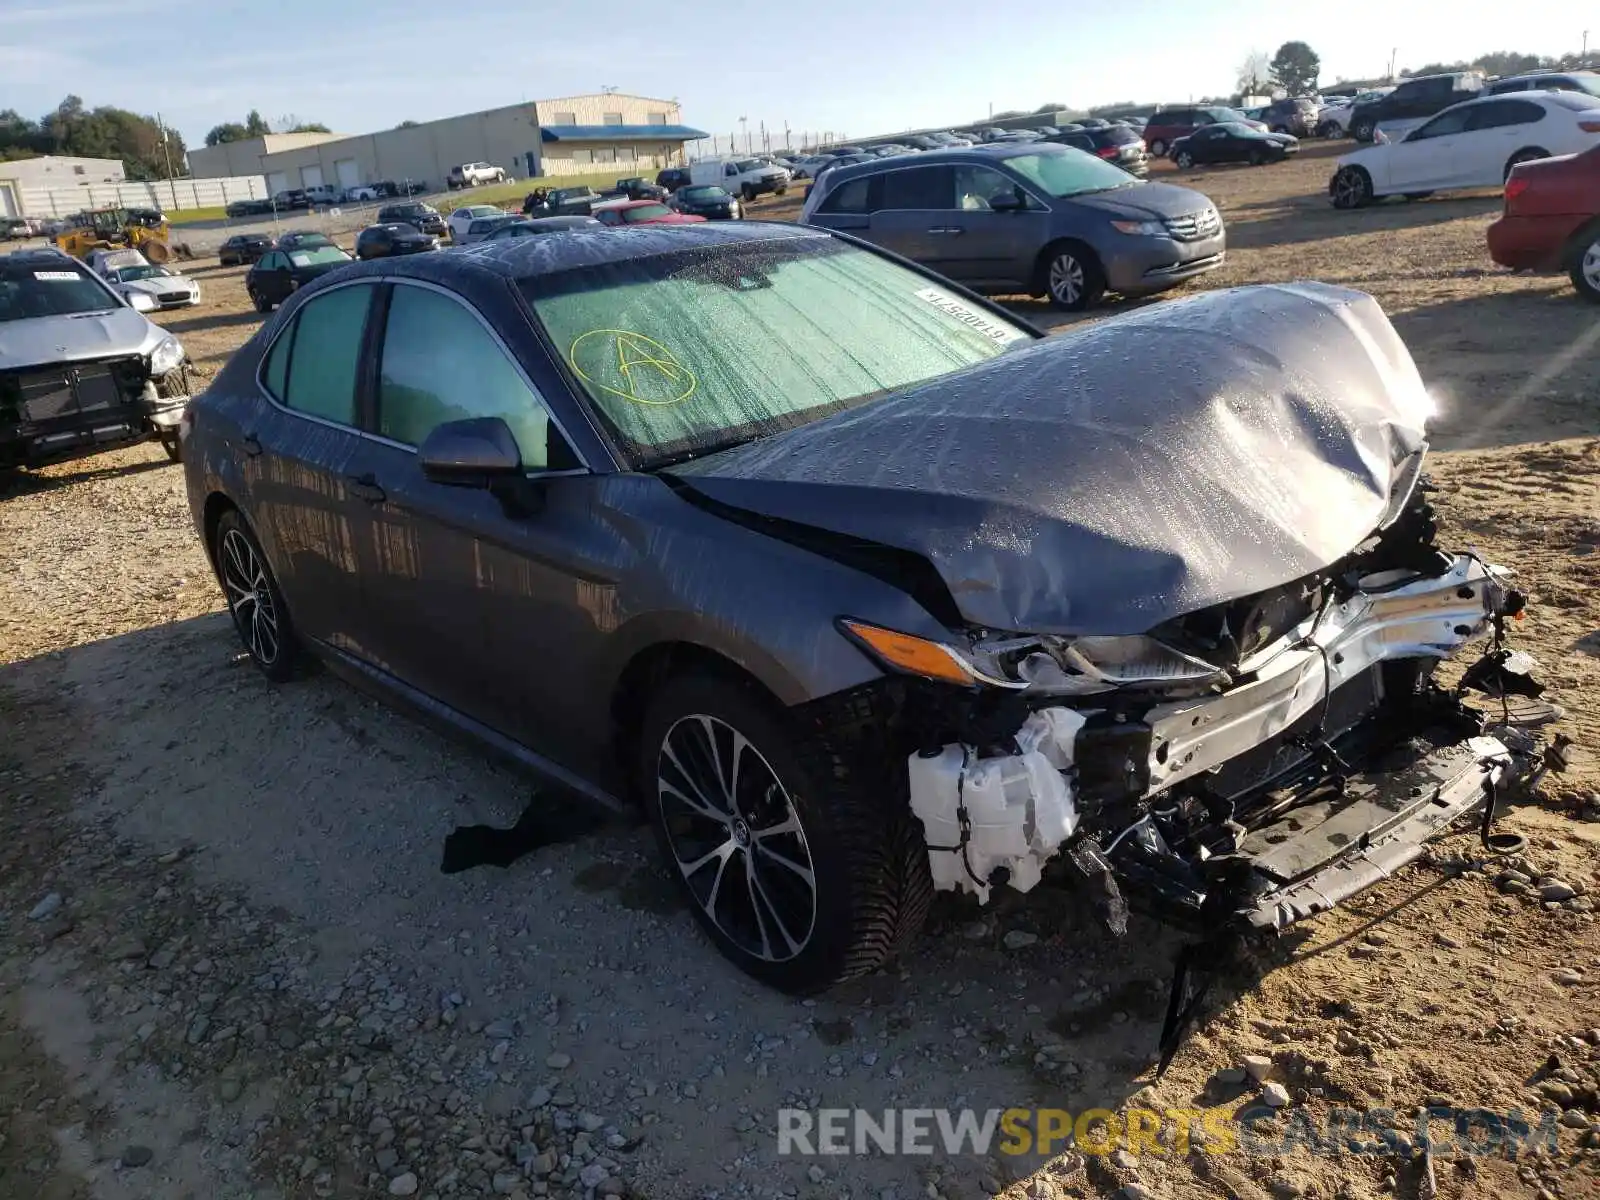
x=620 y=133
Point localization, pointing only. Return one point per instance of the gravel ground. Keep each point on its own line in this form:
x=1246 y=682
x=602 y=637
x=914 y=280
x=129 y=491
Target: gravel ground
x=230 y=967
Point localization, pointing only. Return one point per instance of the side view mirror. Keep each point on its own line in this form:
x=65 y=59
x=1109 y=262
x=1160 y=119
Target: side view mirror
x=1004 y=203
x=474 y=453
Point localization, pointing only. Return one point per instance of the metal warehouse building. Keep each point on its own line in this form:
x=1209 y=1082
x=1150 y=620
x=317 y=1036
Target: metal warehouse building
x=570 y=135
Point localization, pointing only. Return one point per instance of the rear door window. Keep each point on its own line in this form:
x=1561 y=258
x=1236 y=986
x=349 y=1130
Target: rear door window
x=325 y=357
x=848 y=197
x=917 y=188
x=1501 y=114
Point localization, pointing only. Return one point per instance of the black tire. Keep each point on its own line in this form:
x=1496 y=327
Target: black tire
x=749 y=193
x=172 y=444
x=868 y=860
x=1530 y=154
x=1157 y=148
x=1257 y=157
x=263 y=305
x=782 y=190
x=247 y=579
x=1057 y=275
x=1350 y=187
x=1184 y=159
x=1362 y=129
x=1329 y=129
x=1584 y=264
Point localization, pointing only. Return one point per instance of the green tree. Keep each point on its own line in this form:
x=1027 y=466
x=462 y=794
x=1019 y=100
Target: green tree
x=254 y=126
x=1053 y=106
x=406 y=125
x=1295 y=68
x=309 y=127
x=228 y=131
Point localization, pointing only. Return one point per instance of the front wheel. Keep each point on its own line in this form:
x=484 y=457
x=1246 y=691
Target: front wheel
x=800 y=872
x=748 y=192
x=1073 y=279
x=1350 y=187
x=1184 y=159
x=1362 y=130
x=1585 y=272
x=1158 y=148
x=259 y=613
x=1257 y=158
x=263 y=305
x=1329 y=129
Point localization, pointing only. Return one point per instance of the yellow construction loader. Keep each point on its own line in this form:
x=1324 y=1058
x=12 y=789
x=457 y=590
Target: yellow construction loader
x=111 y=228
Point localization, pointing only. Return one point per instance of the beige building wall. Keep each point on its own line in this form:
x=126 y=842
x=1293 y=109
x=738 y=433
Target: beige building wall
x=244 y=157
x=61 y=170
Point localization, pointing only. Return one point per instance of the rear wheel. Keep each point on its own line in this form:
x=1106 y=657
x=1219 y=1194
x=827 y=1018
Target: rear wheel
x=1585 y=271
x=1522 y=156
x=1073 y=277
x=1350 y=187
x=1184 y=159
x=1158 y=148
x=1329 y=129
x=798 y=873
x=1257 y=157
x=254 y=602
x=263 y=305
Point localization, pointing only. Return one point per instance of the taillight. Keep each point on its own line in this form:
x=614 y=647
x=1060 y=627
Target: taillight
x=1589 y=126
x=1515 y=186
x=1108 y=151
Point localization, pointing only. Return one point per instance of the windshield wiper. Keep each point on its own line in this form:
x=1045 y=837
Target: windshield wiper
x=672 y=460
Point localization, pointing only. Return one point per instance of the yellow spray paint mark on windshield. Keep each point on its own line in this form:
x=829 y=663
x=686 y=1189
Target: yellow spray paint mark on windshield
x=630 y=365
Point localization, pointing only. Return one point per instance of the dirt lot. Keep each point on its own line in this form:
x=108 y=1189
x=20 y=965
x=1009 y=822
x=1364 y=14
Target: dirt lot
x=229 y=966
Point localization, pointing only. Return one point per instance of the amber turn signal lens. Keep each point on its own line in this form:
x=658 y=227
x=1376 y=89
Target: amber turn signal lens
x=913 y=655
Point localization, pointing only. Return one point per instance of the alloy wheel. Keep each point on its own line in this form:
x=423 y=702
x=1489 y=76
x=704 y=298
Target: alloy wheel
x=736 y=838
x=1349 y=190
x=244 y=581
x=1066 y=279
x=1184 y=159
x=1589 y=265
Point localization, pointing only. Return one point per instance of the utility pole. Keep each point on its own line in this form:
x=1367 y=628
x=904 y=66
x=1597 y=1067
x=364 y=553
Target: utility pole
x=744 y=128
x=1393 y=54
x=1584 y=56
x=166 y=153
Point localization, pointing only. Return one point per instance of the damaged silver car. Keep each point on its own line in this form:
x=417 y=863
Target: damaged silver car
x=80 y=367
x=865 y=589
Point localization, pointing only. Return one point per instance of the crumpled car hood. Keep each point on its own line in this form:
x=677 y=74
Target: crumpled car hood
x=1112 y=478
x=74 y=339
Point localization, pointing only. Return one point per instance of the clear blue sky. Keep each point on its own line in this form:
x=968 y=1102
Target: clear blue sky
x=840 y=65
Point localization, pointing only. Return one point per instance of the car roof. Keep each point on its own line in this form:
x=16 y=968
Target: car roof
x=616 y=204
x=526 y=258
x=988 y=152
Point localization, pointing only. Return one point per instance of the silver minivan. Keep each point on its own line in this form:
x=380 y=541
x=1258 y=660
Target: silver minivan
x=1032 y=218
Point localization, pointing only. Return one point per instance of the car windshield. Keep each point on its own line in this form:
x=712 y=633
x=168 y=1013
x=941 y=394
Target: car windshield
x=1070 y=173
x=690 y=352
x=747 y=164
x=707 y=192
x=129 y=274
x=480 y=210
x=41 y=289
x=317 y=255
x=645 y=212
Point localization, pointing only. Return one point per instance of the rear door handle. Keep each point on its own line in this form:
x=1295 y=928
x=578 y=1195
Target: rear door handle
x=365 y=487
x=251 y=444
x=952 y=229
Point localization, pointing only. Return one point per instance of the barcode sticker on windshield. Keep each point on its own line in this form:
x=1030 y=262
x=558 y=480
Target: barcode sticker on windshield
x=56 y=276
x=974 y=320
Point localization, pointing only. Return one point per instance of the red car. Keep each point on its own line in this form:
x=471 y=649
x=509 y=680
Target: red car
x=1552 y=220
x=641 y=212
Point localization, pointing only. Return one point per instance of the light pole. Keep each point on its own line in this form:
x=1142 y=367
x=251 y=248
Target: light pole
x=744 y=128
x=1393 y=54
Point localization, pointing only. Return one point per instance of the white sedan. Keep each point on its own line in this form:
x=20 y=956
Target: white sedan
x=460 y=220
x=1470 y=145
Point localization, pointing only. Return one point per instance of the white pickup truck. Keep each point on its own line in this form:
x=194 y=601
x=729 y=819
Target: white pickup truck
x=473 y=173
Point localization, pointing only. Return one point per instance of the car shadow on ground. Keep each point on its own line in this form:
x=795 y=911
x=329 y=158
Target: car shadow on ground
x=24 y=482
x=314 y=798
x=1313 y=219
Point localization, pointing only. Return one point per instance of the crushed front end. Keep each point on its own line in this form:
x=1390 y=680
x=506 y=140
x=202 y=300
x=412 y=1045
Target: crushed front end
x=1244 y=766
x=51 y=411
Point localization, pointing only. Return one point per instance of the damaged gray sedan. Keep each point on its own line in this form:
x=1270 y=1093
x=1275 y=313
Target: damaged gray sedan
x=864 y=589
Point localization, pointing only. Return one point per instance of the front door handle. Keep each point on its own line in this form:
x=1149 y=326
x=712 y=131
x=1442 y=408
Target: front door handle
x=951 y=229
x=365 y=487
x=251 y=444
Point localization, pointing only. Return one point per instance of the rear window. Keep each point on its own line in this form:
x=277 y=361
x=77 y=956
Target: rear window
x=317 y=255
x=1117 y=135
x=645 y=212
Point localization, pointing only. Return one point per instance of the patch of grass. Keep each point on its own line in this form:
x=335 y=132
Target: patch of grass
x=190 y=216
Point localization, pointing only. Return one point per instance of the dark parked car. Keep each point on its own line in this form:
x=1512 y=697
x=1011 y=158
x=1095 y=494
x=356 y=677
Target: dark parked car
x=1170 y=124
x=292 y=198
x=1414 y=101
x=302 y=239
x=561 y=202
x=406 y=187
x=521 y=227
x=673 y=178
x=751 y=561
x=1233 y=142
x=1551 y=220
x=706 y=200
x=280 y=273
x=243 y=248
x=394 y=237
x=250 y=208
x=1037 y=218
x=422 y=217
x=1297 y=117
x=1117 y=144
x=635 y=188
